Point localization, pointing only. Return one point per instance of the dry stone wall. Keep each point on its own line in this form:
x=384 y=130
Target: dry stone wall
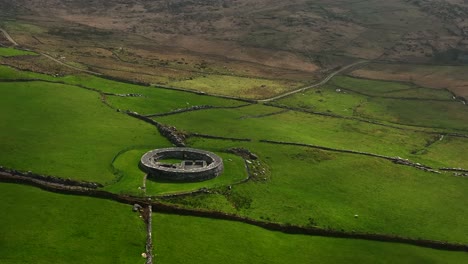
x=150 y=163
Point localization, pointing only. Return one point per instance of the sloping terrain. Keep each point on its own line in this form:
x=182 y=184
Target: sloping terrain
x=402 y=30
x=342 y=125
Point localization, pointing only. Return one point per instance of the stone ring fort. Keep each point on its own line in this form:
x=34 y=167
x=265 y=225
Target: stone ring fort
x=196 y=165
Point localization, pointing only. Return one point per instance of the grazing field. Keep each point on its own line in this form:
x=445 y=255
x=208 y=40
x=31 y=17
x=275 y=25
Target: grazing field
x=255 y=122
x=201 y=240
x=65 y=131
x=454 y=150
x=377 y=151
x=452 y=116
x=393 y=102
x=9 y=52
x=42 y=227
x=68 y=126
x=156 y=101
x=307 y=186
x=150 y=100
x=252 y=88
x=72 y=229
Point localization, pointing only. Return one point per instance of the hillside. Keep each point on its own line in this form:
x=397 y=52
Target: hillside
x=407 y=30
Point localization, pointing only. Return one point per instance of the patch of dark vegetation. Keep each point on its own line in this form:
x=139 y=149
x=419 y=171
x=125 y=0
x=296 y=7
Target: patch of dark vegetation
x=313 y=156
x=238 y=201
x=79 y=32
x=451 y=56
x=243 y=152
x=52 y=179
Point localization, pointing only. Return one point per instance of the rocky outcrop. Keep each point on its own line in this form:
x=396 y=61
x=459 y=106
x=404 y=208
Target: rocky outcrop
x=170 y=132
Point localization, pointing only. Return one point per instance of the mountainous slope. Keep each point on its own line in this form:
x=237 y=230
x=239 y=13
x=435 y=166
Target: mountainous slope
x=398 y=30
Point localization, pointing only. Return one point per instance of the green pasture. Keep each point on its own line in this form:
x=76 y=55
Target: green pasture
x=326 y=100
x=393 y=102
x=65 y=131
x=11 y=52
x=8 y=73
x=311 y=187
x=244 y=87
x=370 y=87
x=44 y=227
x=188 y=239
x=434 y=114
x=300 y=127
x=449 y=151
x=153 y=100
x=77 y=229
x=163 y=100
x=131 y=177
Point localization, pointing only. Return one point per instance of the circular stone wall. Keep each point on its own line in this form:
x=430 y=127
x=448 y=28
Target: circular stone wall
x=195 y=165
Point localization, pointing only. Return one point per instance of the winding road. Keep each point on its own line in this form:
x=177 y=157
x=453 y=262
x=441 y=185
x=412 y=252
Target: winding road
x=322 y=82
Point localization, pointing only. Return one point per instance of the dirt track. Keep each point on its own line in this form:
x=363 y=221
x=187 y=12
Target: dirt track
x=9 y=37
x=322 y=82
x=5 y=33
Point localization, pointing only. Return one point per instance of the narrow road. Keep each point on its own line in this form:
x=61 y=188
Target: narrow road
x=8 y=37
x=322 y=82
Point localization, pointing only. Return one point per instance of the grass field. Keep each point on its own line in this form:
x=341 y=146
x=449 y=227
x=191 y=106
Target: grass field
x=454 y=150
x=326 y=189
x=153 y=99
x=394 y=102
x=251 y=88
x=9 y=52
x=162 y=100
x=43 y=227
x=201 y=240
x=247 y=122
x=442 y=115
x=73 y=229
x=65 y=131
